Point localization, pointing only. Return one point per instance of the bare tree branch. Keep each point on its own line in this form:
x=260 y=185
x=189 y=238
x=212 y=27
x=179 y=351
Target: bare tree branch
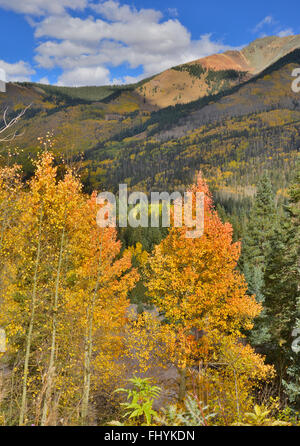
x=8 y=124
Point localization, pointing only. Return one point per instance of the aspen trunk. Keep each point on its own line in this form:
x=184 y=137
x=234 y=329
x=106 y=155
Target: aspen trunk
x=31 y=324
x=51 y=367
x=3 y=228
x=4 y=225
x=182 y=384
x=89 y=346
x=12 y=387
x=87 y=367
x=237 y=395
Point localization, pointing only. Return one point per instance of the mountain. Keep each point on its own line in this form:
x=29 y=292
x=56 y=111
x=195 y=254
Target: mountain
x=233 y=137
x=189 y=82
x=248 y=121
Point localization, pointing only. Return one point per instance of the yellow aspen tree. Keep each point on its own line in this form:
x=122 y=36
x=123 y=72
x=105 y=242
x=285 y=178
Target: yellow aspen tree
x=10 y=207
x=43 y=203
x=31 y=302
x=98 y=300
x=69 y=196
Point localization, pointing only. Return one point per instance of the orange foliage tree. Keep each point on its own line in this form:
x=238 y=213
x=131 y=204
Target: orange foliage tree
x=196 y=286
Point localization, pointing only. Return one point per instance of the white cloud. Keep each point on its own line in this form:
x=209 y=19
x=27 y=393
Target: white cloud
x=42 y=7
x=2 y=75
x=85 y=76
x=285 y=32
x=268 y=20
x=65 y=54
x=113 y=11
x=132 y=79
x=17 y=72
x=44 y=81
x=123 y=35
x=273 y=26
x=86 y=48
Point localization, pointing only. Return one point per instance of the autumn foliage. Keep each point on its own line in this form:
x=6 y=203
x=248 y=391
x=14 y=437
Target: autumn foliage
x=63 y=299
x=72 y=338
x=202 y=296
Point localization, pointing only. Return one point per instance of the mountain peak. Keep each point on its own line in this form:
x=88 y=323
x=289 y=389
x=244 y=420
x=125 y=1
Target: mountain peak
x=214 y=73
x=265 y=51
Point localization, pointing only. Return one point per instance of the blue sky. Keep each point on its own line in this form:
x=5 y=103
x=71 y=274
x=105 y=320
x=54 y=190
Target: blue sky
x=97 y=42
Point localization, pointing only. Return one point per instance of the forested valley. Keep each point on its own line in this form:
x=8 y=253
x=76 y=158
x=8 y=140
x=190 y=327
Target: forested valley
x=192 y=331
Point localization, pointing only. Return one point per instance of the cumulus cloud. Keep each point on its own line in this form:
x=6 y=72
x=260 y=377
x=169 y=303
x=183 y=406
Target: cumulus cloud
x=113 y=11
x=108 y=34
x=82 y=76
x=87 y=47
x=116 y=35
x=17 y=72
x=42 y=7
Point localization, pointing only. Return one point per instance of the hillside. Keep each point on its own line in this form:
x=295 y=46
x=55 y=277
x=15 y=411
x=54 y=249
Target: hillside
x=245 y=123
x=78 y=123
x=215 y=73
x=233 y=137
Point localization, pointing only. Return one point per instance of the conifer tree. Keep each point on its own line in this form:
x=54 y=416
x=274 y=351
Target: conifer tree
x=256 y=243
x=282 y=292
x=256 y=249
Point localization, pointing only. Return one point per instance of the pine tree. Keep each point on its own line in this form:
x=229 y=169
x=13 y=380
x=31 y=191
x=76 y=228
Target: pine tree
x=282 y=292
x=256 y=249
x=256 y=241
